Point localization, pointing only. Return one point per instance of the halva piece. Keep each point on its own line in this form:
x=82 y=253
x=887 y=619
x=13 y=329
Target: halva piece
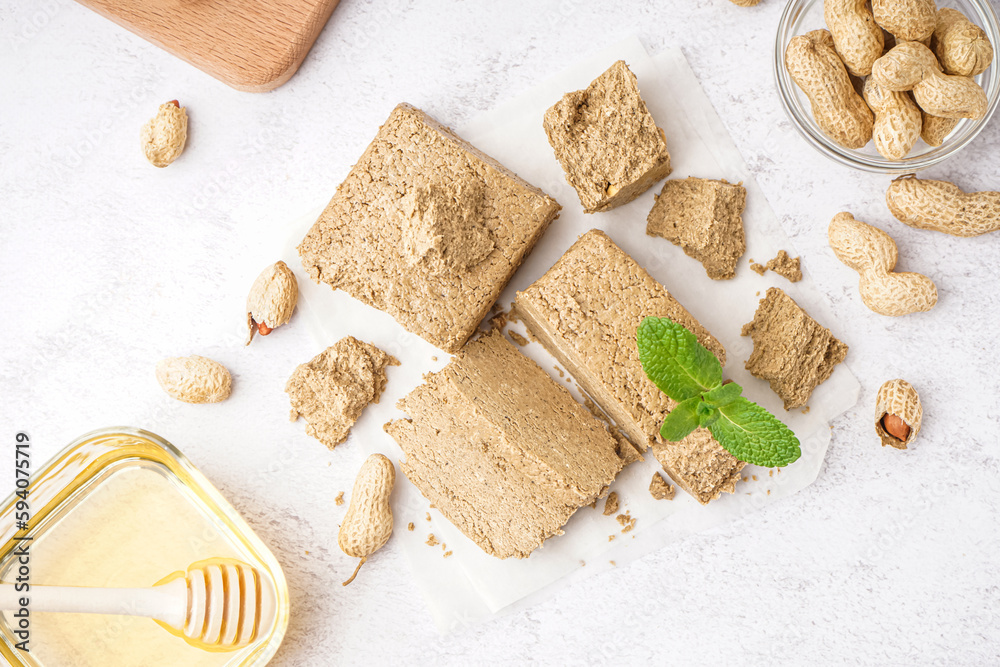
x=585 y=310
x=606 y=140
x=334 y=387
x=704 y=218
x=426 y=228
x=792 y=351
x=501 y=449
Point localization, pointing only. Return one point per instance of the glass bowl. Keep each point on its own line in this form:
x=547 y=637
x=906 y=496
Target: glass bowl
x=801 y=16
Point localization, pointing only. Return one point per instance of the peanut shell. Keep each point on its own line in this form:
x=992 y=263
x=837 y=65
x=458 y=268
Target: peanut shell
x=815 y=67
x=897 y=120
x=367 y=525
x=960 y=45
x=872 y=253
x=898 y=397
x=856 y=36
x=913 y=66
x=943 y=207
x=934 y=129
x=272 y=298
x=164 y=136
x=194 y=379
x=909 y=20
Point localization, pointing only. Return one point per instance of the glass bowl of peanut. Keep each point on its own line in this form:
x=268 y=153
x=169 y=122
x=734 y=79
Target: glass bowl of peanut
x=885 y=91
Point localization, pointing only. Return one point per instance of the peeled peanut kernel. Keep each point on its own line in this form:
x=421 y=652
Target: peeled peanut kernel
x=896 y=427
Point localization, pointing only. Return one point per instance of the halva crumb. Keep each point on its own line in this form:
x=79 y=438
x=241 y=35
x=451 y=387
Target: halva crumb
x=410 y=526
x=659 y=489
x=431 y=540
x=786 y=266
x=611 y=504
x=626 y=521
x=499 y=321
x=517 y=338
x=339 y=499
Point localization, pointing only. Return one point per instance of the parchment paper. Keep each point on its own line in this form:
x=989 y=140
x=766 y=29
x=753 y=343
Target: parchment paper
x=469 y=585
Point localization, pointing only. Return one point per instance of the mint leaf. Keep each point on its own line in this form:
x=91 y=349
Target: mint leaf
x=689 y=373
x=675 y=361
x=722 y=395
x=683 y=419
x=752 y=434
x=706 y=414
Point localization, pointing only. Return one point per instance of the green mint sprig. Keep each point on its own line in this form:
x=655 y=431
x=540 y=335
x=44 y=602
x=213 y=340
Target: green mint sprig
x=686 y=371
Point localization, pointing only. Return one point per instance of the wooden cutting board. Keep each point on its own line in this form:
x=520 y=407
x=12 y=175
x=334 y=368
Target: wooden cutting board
x=252 y=45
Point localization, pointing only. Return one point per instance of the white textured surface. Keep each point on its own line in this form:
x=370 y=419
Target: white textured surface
x=109 y=264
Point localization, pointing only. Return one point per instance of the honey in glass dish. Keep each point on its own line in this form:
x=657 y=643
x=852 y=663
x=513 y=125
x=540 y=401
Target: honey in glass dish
x=123 y=508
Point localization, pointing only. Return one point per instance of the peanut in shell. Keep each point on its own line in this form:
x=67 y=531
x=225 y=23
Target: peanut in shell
x=873 y=254
x=909 y=20
x=934 y=129
x=815 y=67
x=913 y=66
x=944 y=207
x=960 y=45
x=858 y=39
x=165 y=135
x=367 y=525
x=898 y=120
x=271 y=300
x=194 y=379
x=898 y=397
